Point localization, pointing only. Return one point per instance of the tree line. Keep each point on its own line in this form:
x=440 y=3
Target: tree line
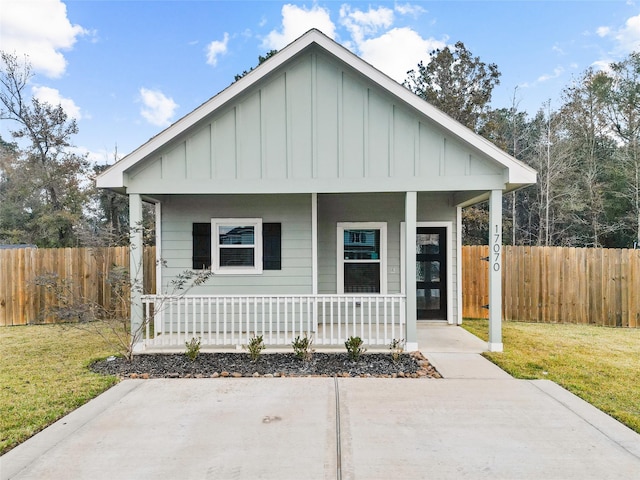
x=586 y=153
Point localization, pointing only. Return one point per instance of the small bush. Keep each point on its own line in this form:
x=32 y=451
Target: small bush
x=397 y=347
x=354 y=347
x=256 y=345
x=303 y=347
x=193 y=348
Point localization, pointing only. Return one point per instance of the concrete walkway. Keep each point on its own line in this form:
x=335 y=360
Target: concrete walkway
x=478 y=422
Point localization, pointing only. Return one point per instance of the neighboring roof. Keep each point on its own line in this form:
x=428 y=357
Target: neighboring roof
x=519 y=174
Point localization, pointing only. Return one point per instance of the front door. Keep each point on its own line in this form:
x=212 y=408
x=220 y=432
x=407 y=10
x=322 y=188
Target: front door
x=431 y=273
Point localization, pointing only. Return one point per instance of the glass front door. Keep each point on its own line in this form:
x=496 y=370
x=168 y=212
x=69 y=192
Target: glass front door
x=431 y=273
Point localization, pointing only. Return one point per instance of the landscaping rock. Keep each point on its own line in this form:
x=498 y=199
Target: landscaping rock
x=213 y=365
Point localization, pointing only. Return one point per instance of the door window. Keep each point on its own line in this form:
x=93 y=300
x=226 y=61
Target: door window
x=361 y=257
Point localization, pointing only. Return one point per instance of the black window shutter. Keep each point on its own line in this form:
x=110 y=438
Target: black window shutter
x=271 y=246
x=201 y=246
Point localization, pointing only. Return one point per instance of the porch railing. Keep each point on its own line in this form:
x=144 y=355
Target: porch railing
x=232 y=320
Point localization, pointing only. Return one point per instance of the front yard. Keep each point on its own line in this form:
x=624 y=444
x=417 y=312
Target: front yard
x=599 y=364
x=44 y=376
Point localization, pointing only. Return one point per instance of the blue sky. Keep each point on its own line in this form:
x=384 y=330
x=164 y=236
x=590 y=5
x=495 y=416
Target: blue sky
x=127 y=69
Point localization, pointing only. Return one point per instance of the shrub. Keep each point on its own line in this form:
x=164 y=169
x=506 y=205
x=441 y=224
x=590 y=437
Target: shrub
x=397 y=347
x=303 y=347
x=256 y=345
x=193 y=348
x=354 y=347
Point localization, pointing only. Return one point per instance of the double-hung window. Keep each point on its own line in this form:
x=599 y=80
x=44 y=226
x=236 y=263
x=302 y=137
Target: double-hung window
x=236 y=245
x=362 y=257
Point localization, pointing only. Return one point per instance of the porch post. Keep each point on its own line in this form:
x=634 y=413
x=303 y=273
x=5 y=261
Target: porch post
x=314 y=243
x=410 y=215
x=136 y=272
x=495 y=271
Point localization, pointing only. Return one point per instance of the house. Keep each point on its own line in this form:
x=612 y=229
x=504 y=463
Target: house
x=325 y=198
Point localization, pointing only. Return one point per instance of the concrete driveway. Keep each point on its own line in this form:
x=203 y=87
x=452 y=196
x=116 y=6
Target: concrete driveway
x=478 y=422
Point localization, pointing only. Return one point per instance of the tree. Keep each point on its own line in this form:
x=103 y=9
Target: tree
x=460 y=85
x=261 y=60
x=44 y=181
x=585 y=128
x=457 y=83
x=511 y=130
x=619 y=92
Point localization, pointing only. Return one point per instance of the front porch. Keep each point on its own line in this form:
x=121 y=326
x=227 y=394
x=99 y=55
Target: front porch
x=228 y=321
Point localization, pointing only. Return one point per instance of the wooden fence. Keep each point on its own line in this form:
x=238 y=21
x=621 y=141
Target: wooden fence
x=540 y=284
x=557 y=285
x=23 y=301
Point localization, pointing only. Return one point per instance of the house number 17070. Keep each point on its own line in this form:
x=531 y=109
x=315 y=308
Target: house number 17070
x=497 y=247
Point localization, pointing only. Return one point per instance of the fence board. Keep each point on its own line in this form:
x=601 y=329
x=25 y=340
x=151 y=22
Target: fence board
x=22 y=301
x=540 y=284
x=559 y=285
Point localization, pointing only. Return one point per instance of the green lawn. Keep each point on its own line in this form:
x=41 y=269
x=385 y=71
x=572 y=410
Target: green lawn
x=44 y=376
x=599 y=364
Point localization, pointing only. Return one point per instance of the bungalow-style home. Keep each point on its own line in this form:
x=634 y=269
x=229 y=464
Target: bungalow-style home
x=324 y=197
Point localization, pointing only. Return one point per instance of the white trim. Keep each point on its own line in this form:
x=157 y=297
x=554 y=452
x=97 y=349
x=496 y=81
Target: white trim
x=257 y=246
x=495 y=347
x=459 y=264
x=449 y=248
x=314 y=243
x=159 y=229
x=341 y=227
x=403 y=256
x=495 y=268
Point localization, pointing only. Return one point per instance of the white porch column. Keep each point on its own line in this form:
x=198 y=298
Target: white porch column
x=314 y=243
x=410 y=215
x=495 y=271
x=136 y=271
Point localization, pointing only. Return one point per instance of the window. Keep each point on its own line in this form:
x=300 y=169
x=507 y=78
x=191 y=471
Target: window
x=362 y=256
x=236 y=245
x=271 y=246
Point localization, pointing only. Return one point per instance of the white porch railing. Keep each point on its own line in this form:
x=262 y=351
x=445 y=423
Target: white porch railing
x=232 y=320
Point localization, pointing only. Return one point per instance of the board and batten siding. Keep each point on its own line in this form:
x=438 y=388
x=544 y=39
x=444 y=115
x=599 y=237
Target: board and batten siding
x=380 y=207
x=292 y=211
x=314 y=125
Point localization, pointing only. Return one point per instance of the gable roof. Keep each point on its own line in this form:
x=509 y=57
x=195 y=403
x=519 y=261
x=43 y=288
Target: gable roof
x=518 y=174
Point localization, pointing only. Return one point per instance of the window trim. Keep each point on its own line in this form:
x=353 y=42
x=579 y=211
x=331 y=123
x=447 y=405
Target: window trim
x=257 y=246
x=340 y=261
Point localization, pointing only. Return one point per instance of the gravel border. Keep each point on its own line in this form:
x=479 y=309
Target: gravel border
x=220 y=365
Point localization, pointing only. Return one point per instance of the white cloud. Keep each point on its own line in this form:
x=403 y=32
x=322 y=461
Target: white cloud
x=53 y=97
x=157 y=107
x=627 y=37
x=216 y=48
x=361 y=24
x=549 y=76
x=398 y=51
x=603 y=65
x=409 y=9
x=295 y=22
x=40 y=30
x=394 y=51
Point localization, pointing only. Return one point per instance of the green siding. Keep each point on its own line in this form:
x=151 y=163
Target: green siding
x=292 y=211
x=313 y=120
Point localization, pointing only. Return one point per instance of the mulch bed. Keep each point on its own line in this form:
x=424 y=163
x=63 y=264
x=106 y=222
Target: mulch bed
x=214 y=365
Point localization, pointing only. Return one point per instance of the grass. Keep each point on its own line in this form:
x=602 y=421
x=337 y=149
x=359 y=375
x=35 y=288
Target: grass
x=598 y=364
x=44 y=376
